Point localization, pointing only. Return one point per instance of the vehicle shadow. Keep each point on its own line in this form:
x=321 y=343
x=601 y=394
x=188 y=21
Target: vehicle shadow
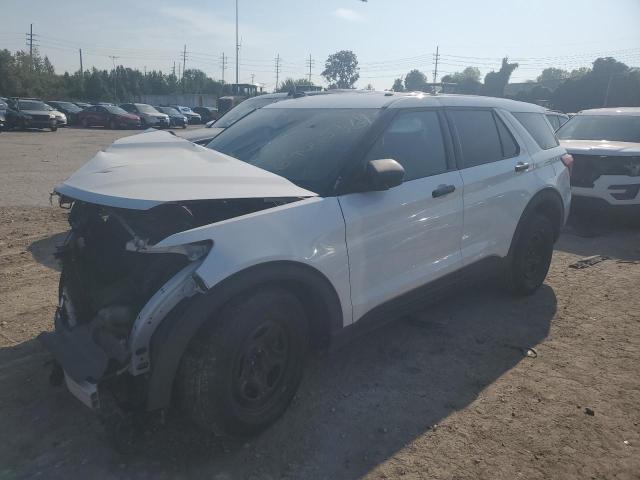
x=360 y=405
x=43 y=250
x=613 y=236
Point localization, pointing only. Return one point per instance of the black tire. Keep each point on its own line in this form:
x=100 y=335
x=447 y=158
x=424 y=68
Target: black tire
x=531 y=256
x=54 y=129
x=184 y=125
x=240 y=375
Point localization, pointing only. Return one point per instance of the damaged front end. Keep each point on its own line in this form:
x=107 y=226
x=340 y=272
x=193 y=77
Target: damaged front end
x=116 y=287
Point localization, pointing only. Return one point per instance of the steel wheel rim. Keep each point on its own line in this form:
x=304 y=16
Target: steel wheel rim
x=261 y=365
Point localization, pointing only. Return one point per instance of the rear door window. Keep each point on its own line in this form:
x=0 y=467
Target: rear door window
x=414 y=140
x=539 y=128
x=478 y=136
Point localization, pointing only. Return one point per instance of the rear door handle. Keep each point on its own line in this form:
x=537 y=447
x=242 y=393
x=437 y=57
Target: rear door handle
x=521 y=166
x=442 y=190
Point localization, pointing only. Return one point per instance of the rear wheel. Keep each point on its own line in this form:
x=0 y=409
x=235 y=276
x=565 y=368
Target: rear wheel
x=241 y=375
x=531 y=256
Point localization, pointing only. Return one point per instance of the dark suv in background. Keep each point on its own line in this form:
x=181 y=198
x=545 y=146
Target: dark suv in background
x=30 y=113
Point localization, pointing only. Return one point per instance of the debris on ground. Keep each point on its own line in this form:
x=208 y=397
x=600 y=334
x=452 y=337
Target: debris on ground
x=589 y=411
x=589 y=261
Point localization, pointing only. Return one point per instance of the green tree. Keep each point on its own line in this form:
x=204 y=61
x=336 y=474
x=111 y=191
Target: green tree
x=341 y=69
x=552 y=74
x=415 y=80
x=289 y=84
x=579 y=72
x=398 y=85
x=467 y=81
x=494 y=82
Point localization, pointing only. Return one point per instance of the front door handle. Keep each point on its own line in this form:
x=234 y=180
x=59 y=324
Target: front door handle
x=442 y=190
x=521 y=166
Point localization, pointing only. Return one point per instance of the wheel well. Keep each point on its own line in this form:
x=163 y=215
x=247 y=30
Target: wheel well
x=171 y=339
x=546 y=202
x=553 y=209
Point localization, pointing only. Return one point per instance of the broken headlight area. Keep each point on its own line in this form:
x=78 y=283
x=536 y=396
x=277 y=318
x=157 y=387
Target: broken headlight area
x=111 y=268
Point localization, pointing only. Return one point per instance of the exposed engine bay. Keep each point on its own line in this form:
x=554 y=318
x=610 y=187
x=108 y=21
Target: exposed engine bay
x=110 y=271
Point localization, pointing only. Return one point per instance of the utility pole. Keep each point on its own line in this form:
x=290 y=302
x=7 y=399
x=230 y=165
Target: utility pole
x=173 y=70
x=184 y=60
x=237 y=46
x=606 y=95
x=277 y=70
x=435 y=71
x=310 y=63
x=115 y=76
x=252 y=77
x=81 y=69
x=224 y=66
x=30 y=44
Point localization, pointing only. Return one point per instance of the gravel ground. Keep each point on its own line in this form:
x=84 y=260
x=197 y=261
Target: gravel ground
x=481 y=385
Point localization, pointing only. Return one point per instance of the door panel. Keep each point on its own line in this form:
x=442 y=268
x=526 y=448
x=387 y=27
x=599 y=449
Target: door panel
x=401 y=238
x=496 y=190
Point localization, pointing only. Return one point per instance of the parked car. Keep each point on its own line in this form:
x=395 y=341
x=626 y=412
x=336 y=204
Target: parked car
x=556 y=119
x=149 y=116
x=30 y=113
x=71 y=110
x=202 y=136
x=605 y=144
x=83 y=105
x=207 y=273
x=3 y=114
x=176 y=119
x=108 y=116
x=61 y=118
x=207 y=113
x=193 y=117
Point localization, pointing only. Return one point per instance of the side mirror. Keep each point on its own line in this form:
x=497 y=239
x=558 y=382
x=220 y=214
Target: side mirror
x=383 y=174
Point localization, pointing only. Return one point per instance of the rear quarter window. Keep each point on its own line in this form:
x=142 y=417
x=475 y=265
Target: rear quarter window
x=539 y=128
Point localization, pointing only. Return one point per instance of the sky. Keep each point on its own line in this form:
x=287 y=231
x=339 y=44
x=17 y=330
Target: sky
x=390 y=37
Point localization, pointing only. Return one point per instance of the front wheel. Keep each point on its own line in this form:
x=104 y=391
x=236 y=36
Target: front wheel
x=531 y=257
x=54 y=129
x=240 y=376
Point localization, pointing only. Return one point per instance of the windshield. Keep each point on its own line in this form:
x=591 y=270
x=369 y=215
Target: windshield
x=115 y=110
x=615 y=128
x=146 y=108
x=33 y=105
x=68 y=106
x=168 y=110
x=306 y=146
x=244 y=109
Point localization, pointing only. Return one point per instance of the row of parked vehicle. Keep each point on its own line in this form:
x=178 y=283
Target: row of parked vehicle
x=28 y=113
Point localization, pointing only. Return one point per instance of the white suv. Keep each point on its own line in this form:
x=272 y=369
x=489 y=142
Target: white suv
x=605 y=144
x=207 y=273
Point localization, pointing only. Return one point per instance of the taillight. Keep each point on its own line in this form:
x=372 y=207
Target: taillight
x=567 y=159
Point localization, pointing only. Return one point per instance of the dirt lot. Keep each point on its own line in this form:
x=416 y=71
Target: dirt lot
x=451 y=393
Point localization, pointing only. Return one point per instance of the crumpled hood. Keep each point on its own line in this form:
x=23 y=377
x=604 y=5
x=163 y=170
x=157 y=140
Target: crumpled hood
x=145 y=170
x=601 y=147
